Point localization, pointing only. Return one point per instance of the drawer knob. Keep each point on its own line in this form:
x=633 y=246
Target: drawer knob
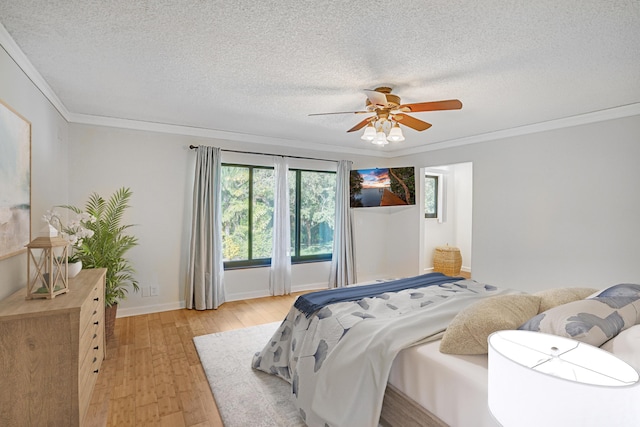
x=96 y=347
x=96 y=323
x=96 y=371
x=96 y=299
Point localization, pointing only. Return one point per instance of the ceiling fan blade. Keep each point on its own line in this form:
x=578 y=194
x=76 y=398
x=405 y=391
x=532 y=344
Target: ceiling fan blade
x=411 y=122
x=360 y=125
x=341 y=112
x=376 y=98
x=451 y=104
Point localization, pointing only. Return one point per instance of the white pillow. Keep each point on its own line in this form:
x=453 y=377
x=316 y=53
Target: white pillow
x=626 y=346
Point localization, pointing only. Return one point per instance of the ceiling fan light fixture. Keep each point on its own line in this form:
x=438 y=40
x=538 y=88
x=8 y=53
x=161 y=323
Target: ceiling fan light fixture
x=369 y=133
x=395 y=134
x=380 y=139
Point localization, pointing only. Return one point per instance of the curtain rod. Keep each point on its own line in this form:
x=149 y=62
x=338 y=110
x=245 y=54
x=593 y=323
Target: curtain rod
x=193 y=147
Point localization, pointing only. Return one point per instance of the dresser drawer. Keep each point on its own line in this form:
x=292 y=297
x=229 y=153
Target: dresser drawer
x=90 y=363
x=92 y=337
x=93 y=321
x=92 y=306
x=87 y=377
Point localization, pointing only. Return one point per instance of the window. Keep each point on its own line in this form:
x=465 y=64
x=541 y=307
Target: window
x=431 y=196
x=247 y=214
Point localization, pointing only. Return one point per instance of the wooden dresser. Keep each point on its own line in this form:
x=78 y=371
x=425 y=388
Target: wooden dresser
x=51 y=352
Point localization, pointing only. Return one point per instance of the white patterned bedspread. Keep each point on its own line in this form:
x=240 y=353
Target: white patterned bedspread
x=338 y=360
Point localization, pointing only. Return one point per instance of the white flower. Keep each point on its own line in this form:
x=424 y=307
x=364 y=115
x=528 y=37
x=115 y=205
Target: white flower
x=75 y=229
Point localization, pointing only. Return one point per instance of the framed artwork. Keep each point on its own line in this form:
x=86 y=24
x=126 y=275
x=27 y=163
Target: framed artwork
x=383 y=187
x=15 y=182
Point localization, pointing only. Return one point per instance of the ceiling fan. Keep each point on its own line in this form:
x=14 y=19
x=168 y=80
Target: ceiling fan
x=388 y=112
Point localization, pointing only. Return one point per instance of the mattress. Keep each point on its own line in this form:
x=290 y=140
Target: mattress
x=454 y=388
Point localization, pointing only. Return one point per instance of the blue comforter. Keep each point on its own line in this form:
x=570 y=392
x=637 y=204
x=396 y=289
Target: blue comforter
x=312 y=302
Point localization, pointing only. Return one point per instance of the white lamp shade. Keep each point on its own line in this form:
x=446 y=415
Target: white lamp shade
x=369 y=133
x=575 y=384
x=380 y=139
x=395 y=134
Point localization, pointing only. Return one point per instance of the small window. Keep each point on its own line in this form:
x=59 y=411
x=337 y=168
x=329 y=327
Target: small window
x=431 y=196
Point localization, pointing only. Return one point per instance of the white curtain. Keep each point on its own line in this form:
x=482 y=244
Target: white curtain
x=280 y=274
x=343 y=264
x=205 y=285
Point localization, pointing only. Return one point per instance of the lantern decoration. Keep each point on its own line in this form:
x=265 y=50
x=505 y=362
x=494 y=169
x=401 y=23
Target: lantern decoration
x=47 y=268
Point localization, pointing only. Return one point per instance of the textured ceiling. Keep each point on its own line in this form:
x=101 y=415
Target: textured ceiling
x=260 y=67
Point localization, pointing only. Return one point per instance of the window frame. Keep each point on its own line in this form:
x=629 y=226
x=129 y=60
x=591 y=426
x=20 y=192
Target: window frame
x=436 y=195
x=296 y=258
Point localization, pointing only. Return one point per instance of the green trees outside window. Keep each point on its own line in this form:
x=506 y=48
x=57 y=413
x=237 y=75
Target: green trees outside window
x=247 y=214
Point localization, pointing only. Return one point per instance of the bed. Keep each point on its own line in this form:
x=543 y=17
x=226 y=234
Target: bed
x=393 y=366
x=424 y=382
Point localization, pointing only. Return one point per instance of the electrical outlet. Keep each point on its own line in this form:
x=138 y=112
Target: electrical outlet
x=154 y=291
x=146 y=291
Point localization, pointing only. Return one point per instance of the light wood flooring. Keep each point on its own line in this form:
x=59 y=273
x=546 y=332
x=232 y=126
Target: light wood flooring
x=152 y=375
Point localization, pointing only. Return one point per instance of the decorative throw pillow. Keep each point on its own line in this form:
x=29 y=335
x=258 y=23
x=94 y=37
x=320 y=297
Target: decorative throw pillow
x=558 y=296
x=623 y=290
x=592 y=321
x=468 y=331
x=626 y=346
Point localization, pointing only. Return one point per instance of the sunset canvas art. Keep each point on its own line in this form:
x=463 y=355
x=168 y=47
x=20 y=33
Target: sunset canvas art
x=382 y=187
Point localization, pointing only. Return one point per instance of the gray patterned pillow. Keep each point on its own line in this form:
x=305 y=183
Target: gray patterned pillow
x=593 y=321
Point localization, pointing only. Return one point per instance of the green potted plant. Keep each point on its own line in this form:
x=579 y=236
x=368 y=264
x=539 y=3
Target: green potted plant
x=107 y=247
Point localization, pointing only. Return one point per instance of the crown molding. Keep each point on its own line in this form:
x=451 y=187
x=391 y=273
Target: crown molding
x=566 y=122
x=215 y=134
x=21 y=60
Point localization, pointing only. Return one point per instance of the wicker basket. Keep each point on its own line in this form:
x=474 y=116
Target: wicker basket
x=447 y=260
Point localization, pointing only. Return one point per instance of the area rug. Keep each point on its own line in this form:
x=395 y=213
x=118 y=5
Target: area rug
x=245 y=397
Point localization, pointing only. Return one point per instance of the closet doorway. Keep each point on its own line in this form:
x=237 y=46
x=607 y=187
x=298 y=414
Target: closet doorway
x=447 y=206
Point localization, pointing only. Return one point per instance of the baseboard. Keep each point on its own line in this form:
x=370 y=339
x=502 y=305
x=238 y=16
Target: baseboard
x=463 y=268
x=238 y=296
x=148 y=309
x=157 y=308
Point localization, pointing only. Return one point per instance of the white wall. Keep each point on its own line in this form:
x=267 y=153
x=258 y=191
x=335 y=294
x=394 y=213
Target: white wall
x=463 y=185
x=377 y=233
x=159 y=169
x=554 y=208
x=49 y=179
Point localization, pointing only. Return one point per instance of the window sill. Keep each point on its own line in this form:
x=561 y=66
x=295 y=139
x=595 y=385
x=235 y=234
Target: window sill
x=267 y=265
